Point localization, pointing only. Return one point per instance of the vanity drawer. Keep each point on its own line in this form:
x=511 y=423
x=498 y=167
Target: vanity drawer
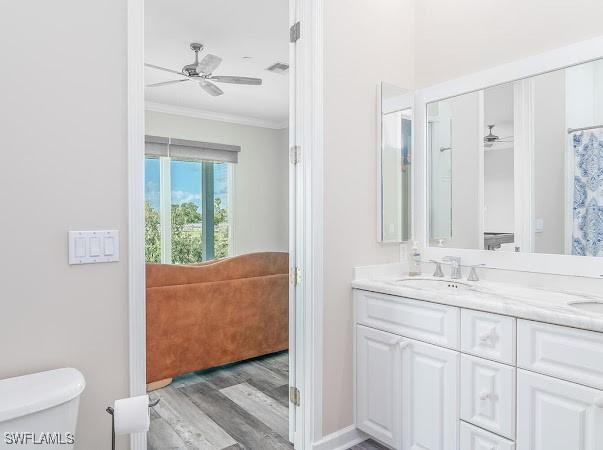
x=424 y=321
x=488 y=395
x=562 y=352
x=474 y=438
x=488 y=335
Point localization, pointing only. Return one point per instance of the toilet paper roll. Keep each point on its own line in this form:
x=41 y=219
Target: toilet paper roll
x=131 y=415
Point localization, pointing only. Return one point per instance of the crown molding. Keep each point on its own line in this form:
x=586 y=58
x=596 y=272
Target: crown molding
x=212 y=115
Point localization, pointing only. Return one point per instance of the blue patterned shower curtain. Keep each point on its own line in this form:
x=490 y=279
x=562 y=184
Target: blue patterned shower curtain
x=587 y=239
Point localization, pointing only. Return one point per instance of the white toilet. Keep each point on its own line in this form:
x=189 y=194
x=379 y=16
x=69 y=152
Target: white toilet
x=39 y=411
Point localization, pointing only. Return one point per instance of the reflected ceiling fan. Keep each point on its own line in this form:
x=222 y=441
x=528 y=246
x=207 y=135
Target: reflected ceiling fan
x=490 y=139
x=202 y=73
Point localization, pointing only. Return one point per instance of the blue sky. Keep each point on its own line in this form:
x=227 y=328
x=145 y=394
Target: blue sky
x=186 y=182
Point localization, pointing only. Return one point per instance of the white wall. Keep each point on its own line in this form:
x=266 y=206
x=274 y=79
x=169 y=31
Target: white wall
x=455 y=38
x=366 y=42
x=456 y=206
x=499 y=212
x=550 y=146
x=260 y=177
x=466 y=204
x=64 y=167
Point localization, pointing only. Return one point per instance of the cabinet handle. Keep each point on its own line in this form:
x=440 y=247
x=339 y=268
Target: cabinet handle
x=403 y=344
x=488 y=396
x=489 y=337
x=599 y=402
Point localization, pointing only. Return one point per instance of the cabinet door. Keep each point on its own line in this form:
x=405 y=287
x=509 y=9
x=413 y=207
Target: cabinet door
x=378 y=384
x=430 y=417
x=557 y=415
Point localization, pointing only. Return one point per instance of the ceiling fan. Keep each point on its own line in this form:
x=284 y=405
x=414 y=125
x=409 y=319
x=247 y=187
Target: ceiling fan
x=490 y=139
x=202 y=72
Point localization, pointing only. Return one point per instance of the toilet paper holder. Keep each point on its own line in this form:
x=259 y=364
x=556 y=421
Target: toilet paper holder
x=111 y=412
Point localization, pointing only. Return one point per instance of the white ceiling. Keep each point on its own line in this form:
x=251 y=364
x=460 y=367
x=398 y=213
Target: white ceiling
x=230 y=29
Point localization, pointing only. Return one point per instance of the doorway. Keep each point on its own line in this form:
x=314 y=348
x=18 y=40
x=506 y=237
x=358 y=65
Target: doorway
x=216 y=223
x=306 y=100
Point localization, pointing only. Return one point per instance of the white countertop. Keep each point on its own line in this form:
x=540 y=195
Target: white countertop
x=502 y=298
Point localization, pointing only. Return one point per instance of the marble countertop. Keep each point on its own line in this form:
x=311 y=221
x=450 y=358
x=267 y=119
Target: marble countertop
x=501 y=298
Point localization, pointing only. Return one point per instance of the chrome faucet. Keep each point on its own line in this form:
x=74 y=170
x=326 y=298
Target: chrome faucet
x=455 y=266
x=438 y=269
x=473 y=274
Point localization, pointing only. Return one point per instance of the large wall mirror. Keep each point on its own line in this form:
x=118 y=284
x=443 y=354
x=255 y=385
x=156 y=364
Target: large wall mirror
x=519 y=166
x=395 y=155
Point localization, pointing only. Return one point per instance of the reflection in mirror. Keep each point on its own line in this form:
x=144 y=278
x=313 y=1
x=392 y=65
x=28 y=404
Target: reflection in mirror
x=519 y=166
x=395 y=157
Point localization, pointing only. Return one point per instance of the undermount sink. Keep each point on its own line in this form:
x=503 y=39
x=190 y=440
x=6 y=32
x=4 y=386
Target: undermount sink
x=429 y=283
x=588 y=306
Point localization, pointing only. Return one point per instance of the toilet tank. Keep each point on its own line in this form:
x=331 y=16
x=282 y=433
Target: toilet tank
x=39 y=411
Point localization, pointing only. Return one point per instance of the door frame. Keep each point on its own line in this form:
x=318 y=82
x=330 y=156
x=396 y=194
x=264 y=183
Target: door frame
x=307 y=128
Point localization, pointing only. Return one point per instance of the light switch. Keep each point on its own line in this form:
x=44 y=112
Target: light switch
x=87 y=247
x=80 y=247
x=539 y=225
x=108 y=245
x=94 y=245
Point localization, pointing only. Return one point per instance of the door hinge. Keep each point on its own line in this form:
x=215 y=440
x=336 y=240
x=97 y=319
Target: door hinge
x=294 y=32
x=295 y=154
x=295 y=276
x=294 y=396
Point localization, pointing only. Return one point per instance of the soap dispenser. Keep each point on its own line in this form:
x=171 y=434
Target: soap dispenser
x=414 y=260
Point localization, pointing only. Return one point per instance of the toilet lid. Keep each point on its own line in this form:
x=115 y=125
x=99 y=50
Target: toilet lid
x=28 y=394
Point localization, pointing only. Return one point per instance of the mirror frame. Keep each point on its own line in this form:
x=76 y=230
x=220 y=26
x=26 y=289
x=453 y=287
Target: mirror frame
x=406 y=102
x=560 y=58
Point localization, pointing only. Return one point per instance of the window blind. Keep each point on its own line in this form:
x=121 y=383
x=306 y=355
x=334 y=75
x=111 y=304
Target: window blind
x=186 y=150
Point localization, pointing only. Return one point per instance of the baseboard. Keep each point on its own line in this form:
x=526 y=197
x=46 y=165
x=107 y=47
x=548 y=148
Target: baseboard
x=341 y=440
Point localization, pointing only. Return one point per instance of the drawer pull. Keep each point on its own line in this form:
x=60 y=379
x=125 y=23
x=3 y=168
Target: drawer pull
x=488 y=396
x=401 y=343
x=488 y=338
x=599 y=402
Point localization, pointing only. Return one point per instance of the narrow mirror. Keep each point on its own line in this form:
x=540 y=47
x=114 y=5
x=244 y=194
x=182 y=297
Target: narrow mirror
x=395 y=150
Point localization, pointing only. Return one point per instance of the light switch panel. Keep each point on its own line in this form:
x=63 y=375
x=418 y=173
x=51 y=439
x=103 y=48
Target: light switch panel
x=89 y=247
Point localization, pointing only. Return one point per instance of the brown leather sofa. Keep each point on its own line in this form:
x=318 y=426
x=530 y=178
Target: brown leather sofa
x=215 y=313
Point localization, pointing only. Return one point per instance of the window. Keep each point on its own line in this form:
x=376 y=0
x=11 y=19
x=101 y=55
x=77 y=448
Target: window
x=186 y=210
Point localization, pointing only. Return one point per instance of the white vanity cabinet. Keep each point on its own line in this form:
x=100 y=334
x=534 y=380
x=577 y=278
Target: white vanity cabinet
x=439 y=377
x=379 y=391
x=557 y=415
x=430 y=397
x=406 y=391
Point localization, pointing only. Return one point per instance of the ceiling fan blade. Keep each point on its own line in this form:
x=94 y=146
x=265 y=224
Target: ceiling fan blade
x=236 y=80
x=209 y=64
x=165 y=83
x=152 y=66
x=210 y=88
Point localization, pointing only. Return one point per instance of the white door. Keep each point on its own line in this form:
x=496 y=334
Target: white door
x=430 y=408
x=378 y=386
x=557 y=415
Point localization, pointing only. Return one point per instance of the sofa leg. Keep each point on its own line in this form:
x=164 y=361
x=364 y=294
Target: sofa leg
x=158 y=384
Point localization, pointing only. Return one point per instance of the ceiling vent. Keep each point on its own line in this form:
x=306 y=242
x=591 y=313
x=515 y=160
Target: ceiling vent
x=279 y=67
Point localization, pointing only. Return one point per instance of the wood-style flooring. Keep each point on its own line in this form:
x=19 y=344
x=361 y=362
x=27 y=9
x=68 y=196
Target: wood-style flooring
x=239 y=406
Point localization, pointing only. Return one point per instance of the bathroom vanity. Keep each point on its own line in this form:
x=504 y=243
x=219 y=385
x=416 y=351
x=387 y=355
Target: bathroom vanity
x=502 y=168
x=454 y=365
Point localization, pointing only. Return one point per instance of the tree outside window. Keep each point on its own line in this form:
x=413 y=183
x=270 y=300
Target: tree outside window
x=186 y=203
